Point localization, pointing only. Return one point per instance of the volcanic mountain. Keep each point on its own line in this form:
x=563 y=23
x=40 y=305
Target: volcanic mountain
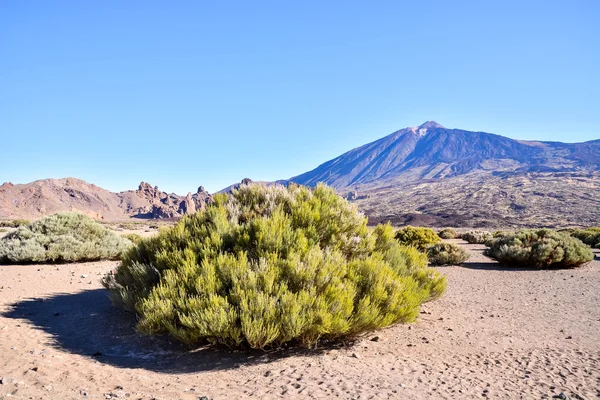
x=432 y=175
x=430 y=151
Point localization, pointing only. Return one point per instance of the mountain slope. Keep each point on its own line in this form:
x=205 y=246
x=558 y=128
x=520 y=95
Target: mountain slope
x=431 y=175
x=431 y=151
x=48 y=196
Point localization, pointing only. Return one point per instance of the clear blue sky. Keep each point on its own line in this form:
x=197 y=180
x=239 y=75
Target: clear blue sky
x=190 y=93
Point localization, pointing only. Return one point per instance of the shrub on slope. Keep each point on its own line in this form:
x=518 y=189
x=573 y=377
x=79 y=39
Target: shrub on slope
x=270 y=265
x=63 y=237
x=542 y=248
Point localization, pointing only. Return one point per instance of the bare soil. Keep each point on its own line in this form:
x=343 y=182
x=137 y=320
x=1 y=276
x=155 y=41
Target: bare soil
x=498 y=333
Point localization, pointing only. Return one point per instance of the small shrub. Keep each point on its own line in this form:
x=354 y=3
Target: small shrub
x=265 y=266
x=63 y=237
x=589 y=236
x=542 y=248
x=15 y=223
x=20 y=222
x=568 y=231
x=446 y=254
x=134 y=237
x=417 y=237
x=2 y=230
x=448 y=233
x=477 y=237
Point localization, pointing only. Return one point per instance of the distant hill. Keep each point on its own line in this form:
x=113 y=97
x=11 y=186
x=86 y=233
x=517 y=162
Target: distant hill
x=48 y=196
x=432 y=175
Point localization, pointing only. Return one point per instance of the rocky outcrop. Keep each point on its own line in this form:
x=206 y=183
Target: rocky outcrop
x=165 y=205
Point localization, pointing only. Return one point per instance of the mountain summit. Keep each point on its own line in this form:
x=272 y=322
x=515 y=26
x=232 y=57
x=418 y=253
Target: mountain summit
x=431 y=151
x=430 y=124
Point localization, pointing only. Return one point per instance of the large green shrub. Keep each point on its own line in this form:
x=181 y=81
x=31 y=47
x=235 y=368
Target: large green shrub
x=269 y=265
x=417 y=237
x=477 y=237
x=63 y=237
x=446 y=254
x=542 y=248
x=448 y=233
x=589 y=236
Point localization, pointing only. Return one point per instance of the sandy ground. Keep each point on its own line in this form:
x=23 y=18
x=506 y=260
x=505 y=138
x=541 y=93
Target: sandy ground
x=497 y=333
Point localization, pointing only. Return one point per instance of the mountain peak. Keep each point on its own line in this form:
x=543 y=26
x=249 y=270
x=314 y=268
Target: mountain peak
x=430 y=124
x=424 y=128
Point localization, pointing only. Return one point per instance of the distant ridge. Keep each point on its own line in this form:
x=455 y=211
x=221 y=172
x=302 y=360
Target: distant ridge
x=48 y=196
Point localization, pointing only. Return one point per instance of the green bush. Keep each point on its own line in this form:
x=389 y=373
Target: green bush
x=15 y=223
x=448 y=233
x=2 y=230
x=264 y=266
x=63 y=237
x=446 y=254
x=589 y=236
x=477 y=237
x=134 y=237
x=542 y=248
x=417 y=237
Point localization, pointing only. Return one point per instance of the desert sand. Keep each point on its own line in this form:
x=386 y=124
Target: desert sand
x=497 y=333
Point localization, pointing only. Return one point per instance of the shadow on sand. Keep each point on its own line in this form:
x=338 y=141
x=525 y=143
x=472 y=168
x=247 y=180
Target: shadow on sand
x=86 y=323
x=493 y=266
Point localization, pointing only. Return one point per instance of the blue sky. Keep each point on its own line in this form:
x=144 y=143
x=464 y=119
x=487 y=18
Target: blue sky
x=191 y=93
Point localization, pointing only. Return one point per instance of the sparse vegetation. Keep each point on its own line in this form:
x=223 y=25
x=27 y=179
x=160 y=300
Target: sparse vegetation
x=448 y=233
x=542 y=248
x=446 y=254
x=271 y=265
x=63 y=237
x=477 y=237
x=417 y=237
